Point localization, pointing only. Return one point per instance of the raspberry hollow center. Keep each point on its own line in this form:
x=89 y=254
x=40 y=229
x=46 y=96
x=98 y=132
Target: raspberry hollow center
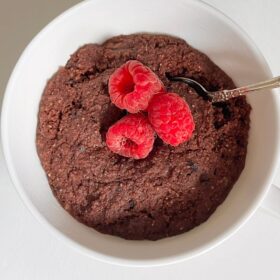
x=127 y=85
x=129 y=144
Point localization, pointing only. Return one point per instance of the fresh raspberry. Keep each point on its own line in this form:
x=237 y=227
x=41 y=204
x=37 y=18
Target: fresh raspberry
x=132 y=86
x=171 y=118
x=132 y=136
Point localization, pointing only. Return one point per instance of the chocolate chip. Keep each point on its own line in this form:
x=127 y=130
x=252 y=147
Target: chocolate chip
x=77 y=104
x=225 y=109
x=150 y=216
x=218 y=124
x=70 y=82
x=131 y=203
x=204 y=177
x=192 y=165
x=226 y=112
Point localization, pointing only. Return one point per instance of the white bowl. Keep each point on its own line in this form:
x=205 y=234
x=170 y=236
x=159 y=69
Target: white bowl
x=94 y=21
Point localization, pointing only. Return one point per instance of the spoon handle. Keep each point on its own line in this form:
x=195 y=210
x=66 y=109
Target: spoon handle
x=223 y=95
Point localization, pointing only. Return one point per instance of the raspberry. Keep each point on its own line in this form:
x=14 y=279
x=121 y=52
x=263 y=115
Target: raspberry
x=132 y=86
x=132 y=136
x=171 y=118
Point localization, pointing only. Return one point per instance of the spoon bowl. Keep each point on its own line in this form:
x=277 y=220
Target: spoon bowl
x=226 y=94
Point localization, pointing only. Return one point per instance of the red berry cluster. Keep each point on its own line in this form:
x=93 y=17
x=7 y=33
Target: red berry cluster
x=135 y=87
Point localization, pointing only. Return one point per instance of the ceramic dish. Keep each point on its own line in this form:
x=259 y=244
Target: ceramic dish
x=94 y=21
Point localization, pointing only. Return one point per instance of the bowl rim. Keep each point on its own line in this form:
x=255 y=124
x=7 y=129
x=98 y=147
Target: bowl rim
x=83 y=249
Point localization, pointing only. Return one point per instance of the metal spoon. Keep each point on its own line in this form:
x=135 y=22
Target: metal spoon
x=226 y=94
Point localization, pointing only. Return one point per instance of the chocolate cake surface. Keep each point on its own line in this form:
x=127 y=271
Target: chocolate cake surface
x=172 y=190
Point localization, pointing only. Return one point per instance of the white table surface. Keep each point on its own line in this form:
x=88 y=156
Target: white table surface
x=28 y=251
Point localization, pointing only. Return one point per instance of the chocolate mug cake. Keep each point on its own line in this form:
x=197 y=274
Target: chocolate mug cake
x=170 y=191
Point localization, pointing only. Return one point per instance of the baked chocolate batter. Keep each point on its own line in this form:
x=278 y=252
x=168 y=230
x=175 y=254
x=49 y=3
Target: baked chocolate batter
x=173 y=189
